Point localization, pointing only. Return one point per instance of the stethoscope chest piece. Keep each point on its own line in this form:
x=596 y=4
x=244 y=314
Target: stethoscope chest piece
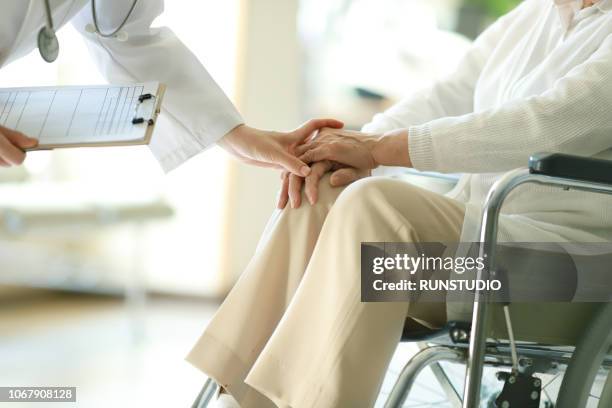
x=48 y=45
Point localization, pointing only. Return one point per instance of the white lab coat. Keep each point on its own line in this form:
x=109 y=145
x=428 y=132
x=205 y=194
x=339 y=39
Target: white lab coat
x=196 y=111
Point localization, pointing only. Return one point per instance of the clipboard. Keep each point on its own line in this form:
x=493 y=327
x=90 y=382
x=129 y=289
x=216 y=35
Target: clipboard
x=83 y=116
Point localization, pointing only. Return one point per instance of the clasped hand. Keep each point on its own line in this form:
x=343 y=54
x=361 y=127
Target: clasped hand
x=348 y=155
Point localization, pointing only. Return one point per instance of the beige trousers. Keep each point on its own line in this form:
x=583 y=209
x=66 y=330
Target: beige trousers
x=293 y=331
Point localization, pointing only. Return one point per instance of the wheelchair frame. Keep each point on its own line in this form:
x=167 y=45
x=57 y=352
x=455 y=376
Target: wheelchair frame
x=575 y=396
x=595 y=345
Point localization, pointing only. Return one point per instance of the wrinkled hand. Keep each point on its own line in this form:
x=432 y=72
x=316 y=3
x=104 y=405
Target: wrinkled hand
x=359 y=150
x=273 y=149
x=347 y=154
x=344 y=147
x=12 y=145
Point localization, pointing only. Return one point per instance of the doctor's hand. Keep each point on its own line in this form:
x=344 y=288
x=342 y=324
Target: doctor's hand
x=273 y=149
x=12 y=145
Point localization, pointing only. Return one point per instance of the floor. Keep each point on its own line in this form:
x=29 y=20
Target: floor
x=114 y=357
x=92 y=343
x=118 y=358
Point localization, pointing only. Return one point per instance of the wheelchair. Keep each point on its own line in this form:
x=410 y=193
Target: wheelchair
x=579 y=346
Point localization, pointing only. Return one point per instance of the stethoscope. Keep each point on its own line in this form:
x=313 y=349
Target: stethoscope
x=48 y=44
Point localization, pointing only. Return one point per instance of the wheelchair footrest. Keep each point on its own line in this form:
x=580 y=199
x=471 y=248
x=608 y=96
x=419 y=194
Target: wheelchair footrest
x=520 y=391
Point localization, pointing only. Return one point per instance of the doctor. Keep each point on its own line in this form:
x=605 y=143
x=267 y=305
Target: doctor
x=197 y=114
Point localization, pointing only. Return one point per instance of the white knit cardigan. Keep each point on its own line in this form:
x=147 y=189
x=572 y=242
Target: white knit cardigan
x=539 y=79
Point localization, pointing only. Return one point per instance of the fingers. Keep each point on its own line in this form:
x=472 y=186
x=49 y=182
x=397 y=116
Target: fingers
x=295 y=190
x=291 y=186
x=290 y=161
x=247 y=160
x=11 y=144
x=303 y=148
x=258 y=163
x=292 y=164
x=345 y=176
x=283 y=194
x=312 y=181
x=319 y=153
x=19 y=139
x=313 y=125
x=10 y=153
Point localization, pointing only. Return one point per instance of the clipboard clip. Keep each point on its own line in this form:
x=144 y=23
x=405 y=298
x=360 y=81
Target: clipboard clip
x=139 y=119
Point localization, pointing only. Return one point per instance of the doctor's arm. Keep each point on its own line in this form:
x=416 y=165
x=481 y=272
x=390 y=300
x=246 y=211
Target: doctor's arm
x=196 y=112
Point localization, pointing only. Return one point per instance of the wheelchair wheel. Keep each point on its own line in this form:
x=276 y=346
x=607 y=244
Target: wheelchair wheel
x=606 y=393
x=585 y=369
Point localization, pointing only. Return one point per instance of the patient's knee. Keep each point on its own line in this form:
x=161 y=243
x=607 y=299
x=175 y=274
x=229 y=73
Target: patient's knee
x=366 y=191
x=359 y=199
x=380 y=197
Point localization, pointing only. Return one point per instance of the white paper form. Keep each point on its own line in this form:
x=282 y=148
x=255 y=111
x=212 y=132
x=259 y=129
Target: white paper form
x=77 y=114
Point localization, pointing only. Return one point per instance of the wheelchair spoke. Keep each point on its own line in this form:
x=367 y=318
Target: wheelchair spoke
x=429 y=388
x=552 y=380
x=547 y=395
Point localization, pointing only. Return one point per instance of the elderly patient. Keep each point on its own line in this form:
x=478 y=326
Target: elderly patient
x=293 y=332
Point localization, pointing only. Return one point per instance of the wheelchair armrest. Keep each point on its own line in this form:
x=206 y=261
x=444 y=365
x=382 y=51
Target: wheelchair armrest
x=571 y=167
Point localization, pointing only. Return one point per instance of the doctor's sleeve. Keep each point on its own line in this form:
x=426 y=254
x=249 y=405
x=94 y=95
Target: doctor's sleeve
x=571 y=117
x=196 y=112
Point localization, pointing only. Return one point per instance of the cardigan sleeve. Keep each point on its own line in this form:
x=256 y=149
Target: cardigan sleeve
x=572 y=116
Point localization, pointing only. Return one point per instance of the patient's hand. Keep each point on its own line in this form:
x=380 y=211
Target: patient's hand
x=350 y=148
x=356 y=149
x=348 y=154
x=291 y=188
